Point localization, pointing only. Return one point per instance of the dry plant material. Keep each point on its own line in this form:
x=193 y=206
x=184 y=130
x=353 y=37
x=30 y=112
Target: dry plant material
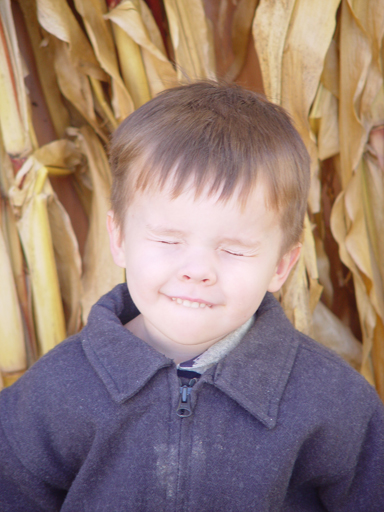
x=241 y=30
x=100 y=274
x=192 y=39
x=145 y=66
x=126 y=20
x=331 y=81
x=13 y=356
x=292 y=45
x=357 y=217
x=43 y=51
x=14 y=118
x=74 y=58
x=100 y=35
x=29 y=196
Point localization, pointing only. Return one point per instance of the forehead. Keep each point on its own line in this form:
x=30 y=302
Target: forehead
x=209 y=208
x=201 y=185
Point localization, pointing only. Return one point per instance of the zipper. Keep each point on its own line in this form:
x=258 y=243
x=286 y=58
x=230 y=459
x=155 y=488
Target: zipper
x=184 y=408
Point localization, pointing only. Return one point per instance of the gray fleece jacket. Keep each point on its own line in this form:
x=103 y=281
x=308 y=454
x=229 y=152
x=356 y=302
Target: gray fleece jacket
x=279 y=424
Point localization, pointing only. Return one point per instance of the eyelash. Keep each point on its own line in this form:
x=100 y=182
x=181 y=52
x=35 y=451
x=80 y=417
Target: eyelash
x=234 y=253
x=175 y=243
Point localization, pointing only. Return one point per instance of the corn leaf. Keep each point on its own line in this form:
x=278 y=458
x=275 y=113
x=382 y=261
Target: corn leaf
x=43 y=51
x=331 y=332
x=191 y=38
x=241 y=29
x=29 y=196
x=361 y=35
x=13 y=99
x=136 y=20
x=12 y=349
x=63 y=156
x=100 y=34
x=100 y=273
x=74 y=58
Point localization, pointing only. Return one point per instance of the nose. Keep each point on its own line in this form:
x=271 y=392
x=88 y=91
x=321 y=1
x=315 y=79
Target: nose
x=198 y=267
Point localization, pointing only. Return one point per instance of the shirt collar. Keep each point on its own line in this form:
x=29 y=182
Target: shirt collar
x=254 y=373
x=219 y=350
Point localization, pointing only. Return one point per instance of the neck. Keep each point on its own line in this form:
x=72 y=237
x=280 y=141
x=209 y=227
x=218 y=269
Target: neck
x=171 y=349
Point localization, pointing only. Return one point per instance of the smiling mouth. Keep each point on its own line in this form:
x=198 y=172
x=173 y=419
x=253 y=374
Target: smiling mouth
x=190 y=304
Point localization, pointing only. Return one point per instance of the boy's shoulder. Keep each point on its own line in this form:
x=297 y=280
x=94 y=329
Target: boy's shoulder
x=277 y=370
x=89 y=367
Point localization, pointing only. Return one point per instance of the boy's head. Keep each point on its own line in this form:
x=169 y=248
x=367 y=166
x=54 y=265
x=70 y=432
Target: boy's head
x=209 y=196
x=217 y=137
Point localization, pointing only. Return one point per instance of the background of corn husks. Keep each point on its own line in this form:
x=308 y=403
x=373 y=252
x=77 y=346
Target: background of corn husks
x=71 y=70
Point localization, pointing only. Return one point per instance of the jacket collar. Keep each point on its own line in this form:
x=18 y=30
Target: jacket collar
x=254 y=374
x=124 y=362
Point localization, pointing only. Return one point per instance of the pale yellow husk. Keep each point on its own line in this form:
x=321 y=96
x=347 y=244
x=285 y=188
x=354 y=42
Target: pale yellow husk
x=12 y=347
x=13 y=100
x=29 y=196
x=100 y=274
x=192 y=39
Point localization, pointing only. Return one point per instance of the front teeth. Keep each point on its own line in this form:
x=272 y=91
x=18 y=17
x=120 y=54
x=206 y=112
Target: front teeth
x=189 y=304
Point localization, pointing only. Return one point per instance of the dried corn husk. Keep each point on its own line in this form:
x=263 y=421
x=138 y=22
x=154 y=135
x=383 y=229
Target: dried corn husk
x=357 y=216
x=292 y=61
x=192 y=39
x=241 y=29
x=331 y=332
x=60 y=158
x=14 y=118
x=29 y=197
x=74 y=58
x=100 y=34
x=12 y=348
x=99 y=274
x=43 y=50
x=148 y=58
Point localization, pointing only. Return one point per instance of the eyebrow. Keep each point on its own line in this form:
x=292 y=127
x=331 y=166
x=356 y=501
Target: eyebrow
x=163 y=230
x=252 y=244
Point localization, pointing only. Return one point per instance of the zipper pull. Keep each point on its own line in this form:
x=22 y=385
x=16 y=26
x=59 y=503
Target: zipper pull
x=184 y=407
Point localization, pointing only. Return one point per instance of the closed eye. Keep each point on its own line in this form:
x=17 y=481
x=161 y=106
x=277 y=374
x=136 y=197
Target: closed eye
x=167 y=242
x=234 y=253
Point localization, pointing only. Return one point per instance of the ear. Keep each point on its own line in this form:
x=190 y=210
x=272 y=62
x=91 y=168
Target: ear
x=284 y=267
x=116 y=240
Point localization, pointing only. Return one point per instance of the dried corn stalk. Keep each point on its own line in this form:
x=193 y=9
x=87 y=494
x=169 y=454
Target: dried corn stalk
x=30 y=195
x=192 y=39
x=13 y=357
x=43 y=50
x=100 y=273
x=145 y=66
x=331 y=83
x=291 y=59
x=357 y=217
x=14 y=118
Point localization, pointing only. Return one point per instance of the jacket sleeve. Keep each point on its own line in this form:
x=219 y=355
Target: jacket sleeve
x=361 y=487
x=45 y=434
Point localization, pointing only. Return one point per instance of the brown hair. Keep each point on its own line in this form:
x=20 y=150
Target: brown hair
x=219 y=136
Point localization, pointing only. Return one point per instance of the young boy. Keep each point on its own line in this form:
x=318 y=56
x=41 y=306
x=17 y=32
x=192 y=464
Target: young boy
x=189 y=390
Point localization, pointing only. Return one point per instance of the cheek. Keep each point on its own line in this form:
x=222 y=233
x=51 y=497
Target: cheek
x=147 y=269
x=247 y=284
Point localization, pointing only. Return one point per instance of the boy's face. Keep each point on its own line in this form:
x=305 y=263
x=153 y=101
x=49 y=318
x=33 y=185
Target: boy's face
x=198 y=269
